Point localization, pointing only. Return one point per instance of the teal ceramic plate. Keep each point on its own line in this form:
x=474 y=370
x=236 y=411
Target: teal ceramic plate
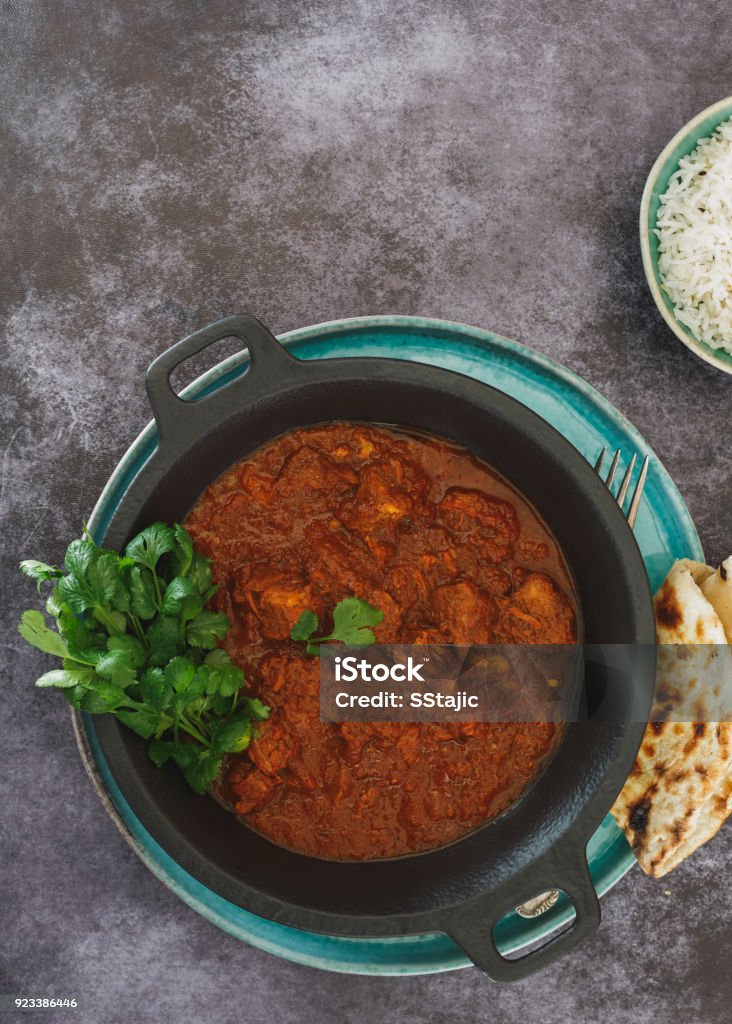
x=683 y=143
x=664 y=531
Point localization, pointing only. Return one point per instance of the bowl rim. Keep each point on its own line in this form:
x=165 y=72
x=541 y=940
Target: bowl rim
x=699 y=348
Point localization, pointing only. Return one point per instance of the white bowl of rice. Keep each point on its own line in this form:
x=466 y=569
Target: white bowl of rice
x=686 y=234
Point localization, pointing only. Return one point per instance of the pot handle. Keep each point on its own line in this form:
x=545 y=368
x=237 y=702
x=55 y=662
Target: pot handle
x=269 y=361
x=472 y=926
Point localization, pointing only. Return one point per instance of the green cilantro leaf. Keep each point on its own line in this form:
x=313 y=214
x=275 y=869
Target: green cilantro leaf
x=117 y=666
x=79 y=556
x=200 y=575
x=197 y=687
x=181 y=598
x=206 y=628
x=257 y=709
x=220 y=705
x=218 y=658
x=233 y=735
x=305 y=626
x=183 y=549
x=161 y=751
x=103 y=578
x=112 y=620
x=352 y=618
x=203 y=770
x=39 y=571
x=142 y=592
x=144 y=721
x=200 y=767
x=179 y=674
x=74 y=695
x=65 y=678
x=148 y=547
x=54 y=606
x=83 y=644
x=230 y=681
x=155 y=689
x=222 y=675
x=163 y=637
x=185 y=756
x=104 y=697
x=75 y=593
x=133 y=649
x=352 y=622
x=34 y=630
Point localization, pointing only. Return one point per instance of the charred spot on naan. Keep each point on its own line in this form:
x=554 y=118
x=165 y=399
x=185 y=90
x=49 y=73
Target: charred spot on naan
x=638 y=817
x=668 y=610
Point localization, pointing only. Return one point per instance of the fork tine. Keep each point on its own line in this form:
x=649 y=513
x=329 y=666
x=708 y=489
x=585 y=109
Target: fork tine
x=598 y=464
x=626 y=482
x=637 y=494
x=613 y=466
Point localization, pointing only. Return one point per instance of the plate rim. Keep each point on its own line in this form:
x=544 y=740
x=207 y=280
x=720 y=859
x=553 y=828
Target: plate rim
x=142 y=446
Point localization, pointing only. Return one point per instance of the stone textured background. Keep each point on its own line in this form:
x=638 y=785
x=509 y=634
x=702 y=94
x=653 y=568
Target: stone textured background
x=165 y=163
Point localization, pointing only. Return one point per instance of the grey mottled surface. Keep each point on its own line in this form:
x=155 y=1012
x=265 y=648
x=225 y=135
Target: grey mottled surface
x=167 y=163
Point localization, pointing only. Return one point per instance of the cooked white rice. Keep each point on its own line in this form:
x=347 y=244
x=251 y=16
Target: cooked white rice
x=694 y=229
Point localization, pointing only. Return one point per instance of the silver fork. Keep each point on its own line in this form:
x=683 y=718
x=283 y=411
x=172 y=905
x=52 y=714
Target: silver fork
x=635 y=501
x=545 y=900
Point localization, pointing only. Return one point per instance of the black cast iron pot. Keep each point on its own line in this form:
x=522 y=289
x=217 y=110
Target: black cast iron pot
x=539 y=843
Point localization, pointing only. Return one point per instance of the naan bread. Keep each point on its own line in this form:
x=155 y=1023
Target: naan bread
x=717 y=588
x=679 y=792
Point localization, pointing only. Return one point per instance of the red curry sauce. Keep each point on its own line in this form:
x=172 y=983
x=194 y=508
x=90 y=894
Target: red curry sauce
x=424 y=531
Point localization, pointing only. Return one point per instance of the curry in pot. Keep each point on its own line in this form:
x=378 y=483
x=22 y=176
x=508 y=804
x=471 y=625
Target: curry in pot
x=451 y=553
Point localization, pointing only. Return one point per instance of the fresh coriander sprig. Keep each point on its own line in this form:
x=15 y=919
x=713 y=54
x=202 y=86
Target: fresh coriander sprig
x=352 y=621
x=137 y=641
